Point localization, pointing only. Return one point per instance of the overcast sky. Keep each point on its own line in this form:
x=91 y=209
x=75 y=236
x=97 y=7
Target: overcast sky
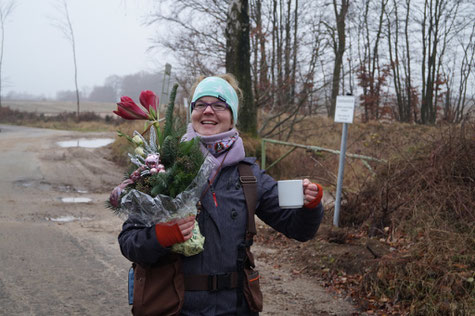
x=110 y=39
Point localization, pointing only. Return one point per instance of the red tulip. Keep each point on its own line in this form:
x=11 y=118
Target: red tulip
x=128 y=110
x=148 y=99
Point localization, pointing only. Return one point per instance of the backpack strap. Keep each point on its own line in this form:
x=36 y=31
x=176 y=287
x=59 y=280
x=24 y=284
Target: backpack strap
x=249 y=186
x=234 y=279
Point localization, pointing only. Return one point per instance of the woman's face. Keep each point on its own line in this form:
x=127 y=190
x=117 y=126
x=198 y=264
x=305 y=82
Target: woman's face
x=210 y=122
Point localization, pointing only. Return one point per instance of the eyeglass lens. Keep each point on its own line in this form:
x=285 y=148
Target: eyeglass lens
x=216 y=106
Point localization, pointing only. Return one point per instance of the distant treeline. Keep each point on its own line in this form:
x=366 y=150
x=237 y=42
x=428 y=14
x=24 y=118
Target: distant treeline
x=113 y=88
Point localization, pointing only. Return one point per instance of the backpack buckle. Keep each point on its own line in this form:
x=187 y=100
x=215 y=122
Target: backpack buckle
x=248 y=179
x=218 y=282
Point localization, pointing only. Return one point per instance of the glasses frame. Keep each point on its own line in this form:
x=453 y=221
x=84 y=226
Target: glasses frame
x=193 y=106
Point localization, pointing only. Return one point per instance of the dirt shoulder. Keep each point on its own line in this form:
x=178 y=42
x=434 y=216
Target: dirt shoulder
x=57 y=258
x=63 y=258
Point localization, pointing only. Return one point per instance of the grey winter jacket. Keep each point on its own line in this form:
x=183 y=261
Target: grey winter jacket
x=223 y=226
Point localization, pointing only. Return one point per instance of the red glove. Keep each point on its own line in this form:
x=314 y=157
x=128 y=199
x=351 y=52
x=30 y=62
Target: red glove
x=168 y=234
x=317 y=199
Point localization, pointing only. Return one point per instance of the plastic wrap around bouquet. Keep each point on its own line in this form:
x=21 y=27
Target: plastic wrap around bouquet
x=163 y=208
x=169 y=176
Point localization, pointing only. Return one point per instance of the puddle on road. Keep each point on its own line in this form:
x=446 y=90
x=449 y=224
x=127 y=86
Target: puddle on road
x=45 y=186
x=33 y=183
x=76 y=200
x=86 y=143
x=68 y=218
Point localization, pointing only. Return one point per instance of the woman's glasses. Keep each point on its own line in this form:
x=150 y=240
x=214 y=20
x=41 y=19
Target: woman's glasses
x=200 y=106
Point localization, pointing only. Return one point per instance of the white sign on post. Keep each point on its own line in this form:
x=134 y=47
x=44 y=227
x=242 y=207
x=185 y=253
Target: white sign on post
x=344 y=109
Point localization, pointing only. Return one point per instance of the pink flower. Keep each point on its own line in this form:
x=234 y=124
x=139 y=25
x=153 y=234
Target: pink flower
x=128 y=110
x=148 y=99
x=135 y=175
x=152 y=160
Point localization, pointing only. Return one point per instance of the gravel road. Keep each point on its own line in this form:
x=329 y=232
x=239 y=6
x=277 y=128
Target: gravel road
x=61 y=258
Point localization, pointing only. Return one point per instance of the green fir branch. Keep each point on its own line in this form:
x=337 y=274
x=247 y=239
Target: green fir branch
x=169 y=119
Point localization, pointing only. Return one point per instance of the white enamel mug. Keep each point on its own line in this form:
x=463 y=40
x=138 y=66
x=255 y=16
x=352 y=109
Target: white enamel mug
x=290 y=193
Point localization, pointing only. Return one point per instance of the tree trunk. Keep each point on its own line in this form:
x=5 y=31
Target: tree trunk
x=274 y=49
x=5 y=11
x=2 y=27
x=67 y=28
x=294 y=52
x=238 y=61
x=465 y=71
x=339 y=51
x=262 y=80
x=430 y=47
x=395 y=65
x=411 y=103
x=76 y=78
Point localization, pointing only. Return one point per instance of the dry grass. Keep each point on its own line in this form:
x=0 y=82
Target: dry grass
x=407 y=241
x=88 y=122
x=56 y=107
x=426 y=200
x=374 y=139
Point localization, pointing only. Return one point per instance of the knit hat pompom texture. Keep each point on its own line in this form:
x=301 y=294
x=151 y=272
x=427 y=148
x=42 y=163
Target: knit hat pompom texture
x=220 y=89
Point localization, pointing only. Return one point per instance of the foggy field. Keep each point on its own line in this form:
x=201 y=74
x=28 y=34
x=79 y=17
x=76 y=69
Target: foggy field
x=54 y=107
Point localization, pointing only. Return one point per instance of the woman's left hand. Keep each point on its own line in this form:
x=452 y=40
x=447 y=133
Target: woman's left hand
x=310 y=191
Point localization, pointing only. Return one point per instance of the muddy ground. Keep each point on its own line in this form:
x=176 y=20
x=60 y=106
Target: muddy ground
x=61 y=258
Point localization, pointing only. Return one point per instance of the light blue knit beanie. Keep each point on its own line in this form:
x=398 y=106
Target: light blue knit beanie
x=220 y=89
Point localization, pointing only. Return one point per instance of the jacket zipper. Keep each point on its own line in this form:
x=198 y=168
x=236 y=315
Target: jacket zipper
x=210 y=186
x=214 y=197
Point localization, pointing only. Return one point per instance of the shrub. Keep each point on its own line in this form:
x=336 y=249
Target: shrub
x=423 y=203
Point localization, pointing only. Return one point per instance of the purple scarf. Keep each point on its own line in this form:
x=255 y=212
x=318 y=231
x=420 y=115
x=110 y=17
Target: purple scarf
x=231 y=137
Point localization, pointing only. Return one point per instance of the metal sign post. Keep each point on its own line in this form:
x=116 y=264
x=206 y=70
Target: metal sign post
x=165 y=83
x=344 y=112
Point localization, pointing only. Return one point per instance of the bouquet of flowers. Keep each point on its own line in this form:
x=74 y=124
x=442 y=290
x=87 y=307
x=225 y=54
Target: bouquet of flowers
x=168 y=174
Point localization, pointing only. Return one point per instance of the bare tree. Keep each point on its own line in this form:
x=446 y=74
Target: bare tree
x=238 y=61
x=6 y=9
x=300 y=61
x=372 y=76
x=437 y=24
x=294 y=31
x=393 y=49
x=424 y=29
x=466 y=70
x=260 y=66
x=194 y=32
x=65 y=25
x=282 y=65
x=339 y=45
x=410 y=89
x=456 y=100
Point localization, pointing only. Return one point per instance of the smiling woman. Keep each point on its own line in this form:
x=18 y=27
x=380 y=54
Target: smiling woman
x=211 y=116
x=214 y=107
x=221 y=279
